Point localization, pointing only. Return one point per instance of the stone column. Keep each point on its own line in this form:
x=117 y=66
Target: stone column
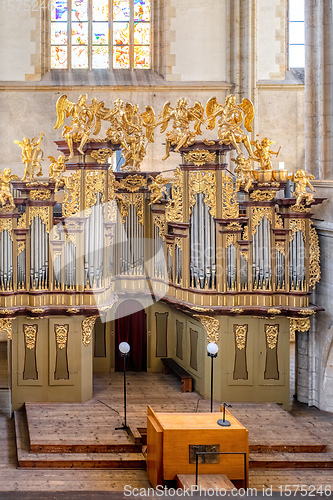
x=318 y=87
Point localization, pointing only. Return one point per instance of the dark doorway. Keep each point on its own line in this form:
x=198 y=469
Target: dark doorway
x=131 y=327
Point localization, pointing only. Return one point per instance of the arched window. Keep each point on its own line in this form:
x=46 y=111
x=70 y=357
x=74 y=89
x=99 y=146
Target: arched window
x=100 y=34
x=296 y=34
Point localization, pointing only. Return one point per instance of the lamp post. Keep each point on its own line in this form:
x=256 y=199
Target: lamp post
x=124 y=349
x=212 y=350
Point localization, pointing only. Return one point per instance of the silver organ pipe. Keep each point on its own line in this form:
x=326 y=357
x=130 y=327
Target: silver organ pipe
x=93 y=245
x=262 y=267
x=159 y=261
x=6 y=262
x=70 y=265
x=178 y=265
x=280 y=269
x=243 y=271
x=202 y=244
x=39 y=249
x=131 y=244
x=231 y=266
x=296 y=261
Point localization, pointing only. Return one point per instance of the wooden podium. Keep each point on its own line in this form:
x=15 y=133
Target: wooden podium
x=173 y=438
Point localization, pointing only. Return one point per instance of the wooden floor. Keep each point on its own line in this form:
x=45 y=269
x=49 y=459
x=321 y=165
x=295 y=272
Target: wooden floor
x=162 y=392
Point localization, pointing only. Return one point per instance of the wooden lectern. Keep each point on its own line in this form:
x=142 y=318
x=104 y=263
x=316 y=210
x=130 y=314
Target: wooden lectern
x=174 y=438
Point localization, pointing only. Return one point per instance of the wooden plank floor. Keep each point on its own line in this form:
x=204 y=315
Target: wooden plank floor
x=53 y=425
x=12 y=479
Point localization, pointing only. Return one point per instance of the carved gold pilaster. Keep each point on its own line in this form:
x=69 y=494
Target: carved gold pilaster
x=87 y=329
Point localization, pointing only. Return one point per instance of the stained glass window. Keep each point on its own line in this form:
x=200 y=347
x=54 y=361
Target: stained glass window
x=97 y=34
x=296 y=34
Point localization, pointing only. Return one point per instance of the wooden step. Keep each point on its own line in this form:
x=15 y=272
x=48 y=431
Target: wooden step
x=26 y=459
x=290 y=461
x=205 y=481
x=75 y=428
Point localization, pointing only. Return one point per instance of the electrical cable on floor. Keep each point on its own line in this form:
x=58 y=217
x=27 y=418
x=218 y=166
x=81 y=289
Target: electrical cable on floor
x=108 y=406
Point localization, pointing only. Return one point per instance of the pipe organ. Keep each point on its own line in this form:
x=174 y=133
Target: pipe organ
x=206 y=247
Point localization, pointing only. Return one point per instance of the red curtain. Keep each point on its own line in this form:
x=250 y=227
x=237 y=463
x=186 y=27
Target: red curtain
x=130 y=326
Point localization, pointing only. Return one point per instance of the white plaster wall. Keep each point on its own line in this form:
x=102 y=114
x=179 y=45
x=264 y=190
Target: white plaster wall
x=199 y=43
x=16 y=46
x=280 y=116
x=268 y=33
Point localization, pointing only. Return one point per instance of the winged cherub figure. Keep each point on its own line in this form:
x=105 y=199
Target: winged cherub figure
x=157 y=188
x=180 y=135
x=263 y=153
x=32 y=155
x=86 y=120
x=56 y=169
x=5 y=193
x=243 y=170
x=231 y=118
x=301 y=179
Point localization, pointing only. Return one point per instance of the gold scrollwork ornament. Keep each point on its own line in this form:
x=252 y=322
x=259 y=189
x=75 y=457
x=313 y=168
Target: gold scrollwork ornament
x=240 y=335
x=272 y=333
x=211 y=325
x=87 y=329
x=102 y=155
x=6 y=326
x=200 y=157
x=61 y=333
x=30 y=333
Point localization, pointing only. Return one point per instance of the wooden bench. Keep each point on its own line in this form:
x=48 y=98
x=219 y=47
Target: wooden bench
x=170 y=366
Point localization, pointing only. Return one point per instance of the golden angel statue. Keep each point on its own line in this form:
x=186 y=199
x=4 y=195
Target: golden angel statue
x=180 y=135
x=56 y=169
x=5 y=193
x=157 y=188
x=32 y=155
x=301 y=179
x=115 y=117
x=127 y=129
x=263 y=153
x=231 y=118
x=86 y=120
x=243 y=170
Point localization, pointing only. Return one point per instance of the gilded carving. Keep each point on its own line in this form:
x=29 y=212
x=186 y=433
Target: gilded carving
x=95 y=183
x=6 y=326
x=71 y=205
x=245 y=254
x=259 y=213
x=102 y=155
x=20 y=247
x=278 y=221
x=200 y=157
x=174 y=208
x=279 y=245
x=73 y=310
x=201 y=309
x=246 y=233
x=6 y=311
x=274 y=311
x=30 y=333
x=6 y=178
x=307 y=312
x=230 y=207
x=32 y=155
x=160 y=222
x=61 y=335
x=302 y=181
x=7 y=225
x=299 y=325
x=42 y=213
x=272 y=333
x=40 y=194
x=240 y=335
x=314 y=257
x=22 y=221
x=203 y=182
x=297 y=225
x=211 y=326
x=124 y=203
x=262 y=195
x=37 y=310
x=138 y=202
x=131 y=183
x=237 y=310
x=87 y=329
x=181 y=115
x=157 y=188
x=300 y=208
